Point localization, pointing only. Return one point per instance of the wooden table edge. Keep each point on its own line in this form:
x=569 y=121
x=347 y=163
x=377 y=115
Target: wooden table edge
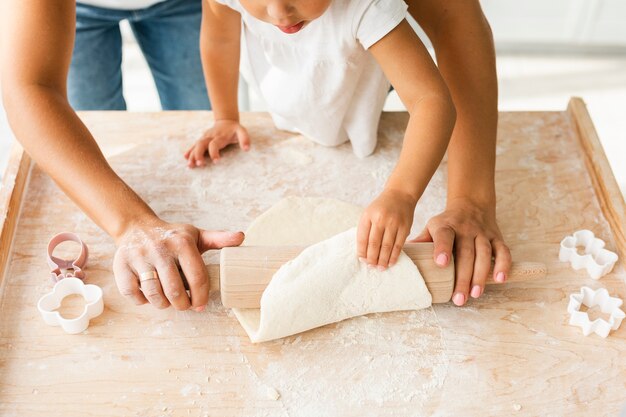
x=604 y=183
x=13 y=185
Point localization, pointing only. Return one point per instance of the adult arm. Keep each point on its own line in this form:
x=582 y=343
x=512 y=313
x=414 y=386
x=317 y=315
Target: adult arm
x=37 y=40
x=463 y=43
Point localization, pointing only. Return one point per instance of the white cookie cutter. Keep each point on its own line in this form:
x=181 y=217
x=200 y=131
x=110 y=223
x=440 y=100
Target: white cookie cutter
x=597 y=260
x=48 y=304
x=590 y=298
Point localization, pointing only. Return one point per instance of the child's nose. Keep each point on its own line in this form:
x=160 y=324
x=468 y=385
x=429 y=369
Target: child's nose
x=279 y=10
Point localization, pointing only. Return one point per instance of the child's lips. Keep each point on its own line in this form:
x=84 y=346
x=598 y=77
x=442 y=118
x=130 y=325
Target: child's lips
x=291 y=29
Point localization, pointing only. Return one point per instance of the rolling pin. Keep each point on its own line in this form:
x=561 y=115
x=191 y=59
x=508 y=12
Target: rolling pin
x=245 y=271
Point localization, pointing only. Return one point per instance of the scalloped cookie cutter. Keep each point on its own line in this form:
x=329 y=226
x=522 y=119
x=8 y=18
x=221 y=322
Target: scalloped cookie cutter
x=49 y=303
x=591 y=298
x=73 y=268
x=597 y=260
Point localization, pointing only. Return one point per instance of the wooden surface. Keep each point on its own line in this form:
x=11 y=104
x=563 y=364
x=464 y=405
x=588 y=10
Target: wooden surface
x=509 y=353
x=11 y=192
x=602 y=178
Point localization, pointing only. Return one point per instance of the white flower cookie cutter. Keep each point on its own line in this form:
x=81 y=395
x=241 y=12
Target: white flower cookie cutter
x=591 y=298
x=49 y=303
x=597 y=260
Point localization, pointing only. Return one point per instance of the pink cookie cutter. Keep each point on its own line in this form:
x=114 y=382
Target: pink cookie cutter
x=73 y=268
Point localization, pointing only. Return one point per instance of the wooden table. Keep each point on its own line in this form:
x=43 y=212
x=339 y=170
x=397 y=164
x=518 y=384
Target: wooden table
x=509 y=353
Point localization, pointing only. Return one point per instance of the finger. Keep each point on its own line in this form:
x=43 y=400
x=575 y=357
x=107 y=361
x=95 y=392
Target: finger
x=199 y=153
x=464 y=269
x=172 y=284
x=373 y=244
x=193 y=267
x=150 y=287
x=482 y=264
x=243 y=138
x=191 y=160
x=217 y=240
x=127 y=282
x=214 y=150
x=443 y=241
x=386 y=247
x=362 y=234
x=186 y=155
x=397 y=248
x=502 y=265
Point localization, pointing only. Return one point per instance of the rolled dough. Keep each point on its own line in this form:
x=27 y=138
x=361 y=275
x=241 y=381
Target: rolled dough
x=326 y=283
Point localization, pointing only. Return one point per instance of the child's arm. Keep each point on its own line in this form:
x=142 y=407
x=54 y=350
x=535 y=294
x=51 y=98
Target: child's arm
x=386 y=223
x=220 y=35
x=463 y=43
x=37 y=39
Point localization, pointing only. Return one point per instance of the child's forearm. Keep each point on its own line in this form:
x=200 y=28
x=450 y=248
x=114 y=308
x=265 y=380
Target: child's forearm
x=428 y=131
x=219 y=46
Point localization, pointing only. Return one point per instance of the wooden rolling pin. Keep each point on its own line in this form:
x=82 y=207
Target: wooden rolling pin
x=244 y=272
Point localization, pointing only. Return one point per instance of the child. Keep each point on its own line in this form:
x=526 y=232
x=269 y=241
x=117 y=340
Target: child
x=323 y=68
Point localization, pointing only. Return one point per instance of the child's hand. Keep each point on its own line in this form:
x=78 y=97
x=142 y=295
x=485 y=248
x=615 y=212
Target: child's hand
x=384 y=227
x=222 y=134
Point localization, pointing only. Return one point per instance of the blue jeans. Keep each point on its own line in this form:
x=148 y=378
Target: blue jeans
x=169 y=36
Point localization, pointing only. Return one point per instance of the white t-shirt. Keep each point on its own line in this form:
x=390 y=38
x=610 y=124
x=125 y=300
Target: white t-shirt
x=121 y=4
x=321 y=81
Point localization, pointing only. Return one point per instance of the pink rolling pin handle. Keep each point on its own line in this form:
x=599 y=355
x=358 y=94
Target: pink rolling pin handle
x=57 y=264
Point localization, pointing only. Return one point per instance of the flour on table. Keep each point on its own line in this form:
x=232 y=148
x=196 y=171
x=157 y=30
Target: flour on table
x=326 y=283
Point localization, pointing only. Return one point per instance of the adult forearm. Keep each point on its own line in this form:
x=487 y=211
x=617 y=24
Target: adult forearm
x=466 y=58
x=58 y=141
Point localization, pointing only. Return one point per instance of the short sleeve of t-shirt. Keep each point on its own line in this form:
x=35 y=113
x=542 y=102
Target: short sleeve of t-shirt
x=378 y=18
x=233 y=4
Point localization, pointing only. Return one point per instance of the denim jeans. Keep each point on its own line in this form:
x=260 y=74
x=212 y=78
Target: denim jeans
x=169 y=36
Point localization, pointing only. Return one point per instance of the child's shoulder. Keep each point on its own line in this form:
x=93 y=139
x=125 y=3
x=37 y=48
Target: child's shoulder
x=372 y=19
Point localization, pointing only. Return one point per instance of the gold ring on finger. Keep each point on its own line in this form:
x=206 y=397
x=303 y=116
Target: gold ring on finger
x=148 y=275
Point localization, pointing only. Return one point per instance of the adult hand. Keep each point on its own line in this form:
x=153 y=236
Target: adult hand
x=471 y=232
x=148 y=258
x=222 y=134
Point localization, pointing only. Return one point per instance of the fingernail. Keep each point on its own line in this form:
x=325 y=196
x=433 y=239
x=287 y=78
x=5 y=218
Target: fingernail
x=476 y=291
x=500 y=277
x=362 y=260
x=198 y=163
x=442 y=259
x=458 y=299
x=380 y=268
x=200 y=309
